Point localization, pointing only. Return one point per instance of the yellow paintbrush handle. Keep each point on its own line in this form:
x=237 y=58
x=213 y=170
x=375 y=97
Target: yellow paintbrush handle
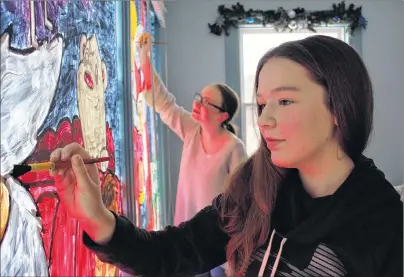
x=42 y=166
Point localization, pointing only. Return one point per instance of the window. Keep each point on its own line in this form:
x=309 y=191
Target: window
x=254 y=42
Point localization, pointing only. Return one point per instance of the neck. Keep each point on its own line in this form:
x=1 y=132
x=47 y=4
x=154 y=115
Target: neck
x=210 y=134
x=326 y=173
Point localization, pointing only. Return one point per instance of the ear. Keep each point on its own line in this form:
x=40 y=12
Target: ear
x=104 y=75
x=335 y=121
x=83 y=41
x=224 y=117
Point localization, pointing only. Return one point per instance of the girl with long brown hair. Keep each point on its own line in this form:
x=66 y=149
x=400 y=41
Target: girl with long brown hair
x=307 y=203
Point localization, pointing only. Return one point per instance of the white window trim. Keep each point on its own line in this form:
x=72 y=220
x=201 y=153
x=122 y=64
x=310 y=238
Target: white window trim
x=341 y=29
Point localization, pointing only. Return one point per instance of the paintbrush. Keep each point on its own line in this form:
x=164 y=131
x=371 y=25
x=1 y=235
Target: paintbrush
x=145 y=37
x=154 y=42
x=21 y=169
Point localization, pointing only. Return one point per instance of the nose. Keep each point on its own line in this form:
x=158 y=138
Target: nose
x=266 y=119
x=196 y=104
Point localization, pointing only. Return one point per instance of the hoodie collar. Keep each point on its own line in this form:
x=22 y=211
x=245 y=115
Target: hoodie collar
x=363 y=190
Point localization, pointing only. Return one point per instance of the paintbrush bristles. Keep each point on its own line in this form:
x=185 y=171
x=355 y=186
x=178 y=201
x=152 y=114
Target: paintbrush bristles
x=21 y=169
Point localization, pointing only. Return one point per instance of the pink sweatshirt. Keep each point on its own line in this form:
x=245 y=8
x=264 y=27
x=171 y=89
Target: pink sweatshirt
x=202 y=176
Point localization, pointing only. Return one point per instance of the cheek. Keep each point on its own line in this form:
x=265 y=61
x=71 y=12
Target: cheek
x=291 y=125
x=305 y=128
x=204 y=112
x=297 y=129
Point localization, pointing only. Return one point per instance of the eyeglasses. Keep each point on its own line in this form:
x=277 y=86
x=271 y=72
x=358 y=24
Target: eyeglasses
x=205 y=102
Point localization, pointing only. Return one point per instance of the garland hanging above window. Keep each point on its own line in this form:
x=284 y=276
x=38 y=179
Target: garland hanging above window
x=283 y=20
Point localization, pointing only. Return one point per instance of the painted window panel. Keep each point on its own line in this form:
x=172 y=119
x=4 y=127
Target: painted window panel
x=59 y=85
x=146 y=175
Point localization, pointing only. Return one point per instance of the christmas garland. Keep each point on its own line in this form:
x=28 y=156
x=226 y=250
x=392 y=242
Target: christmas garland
x=291 y=20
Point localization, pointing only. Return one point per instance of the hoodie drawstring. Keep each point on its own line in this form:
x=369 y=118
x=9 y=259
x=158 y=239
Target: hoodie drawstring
x=267 y=254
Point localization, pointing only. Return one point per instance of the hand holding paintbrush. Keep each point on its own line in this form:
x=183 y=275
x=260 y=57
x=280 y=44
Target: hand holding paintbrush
x=78 y=188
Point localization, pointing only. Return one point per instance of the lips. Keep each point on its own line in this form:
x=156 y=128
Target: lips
x=273 y=143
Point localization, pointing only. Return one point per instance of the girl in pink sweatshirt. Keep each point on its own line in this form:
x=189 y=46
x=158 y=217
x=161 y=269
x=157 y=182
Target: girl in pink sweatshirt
x=211 y=149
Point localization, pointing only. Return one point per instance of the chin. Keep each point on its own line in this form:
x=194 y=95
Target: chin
x=196 y=118
x=281 y=161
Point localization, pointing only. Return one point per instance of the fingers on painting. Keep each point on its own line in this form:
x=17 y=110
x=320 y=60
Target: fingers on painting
x=141 y=40
x=74 y=149
x=144 y=40
x=54 y=157
x=65 y=154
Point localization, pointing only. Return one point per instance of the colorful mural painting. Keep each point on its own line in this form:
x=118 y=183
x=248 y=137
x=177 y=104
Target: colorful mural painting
x=58 y=85
x=147 y=180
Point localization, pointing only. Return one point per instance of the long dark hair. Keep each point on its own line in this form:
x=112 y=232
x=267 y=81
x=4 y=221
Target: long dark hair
x=250 y=198
x=230 y=104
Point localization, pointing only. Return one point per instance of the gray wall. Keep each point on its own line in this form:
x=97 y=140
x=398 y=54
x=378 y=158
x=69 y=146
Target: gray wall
x=196 y=58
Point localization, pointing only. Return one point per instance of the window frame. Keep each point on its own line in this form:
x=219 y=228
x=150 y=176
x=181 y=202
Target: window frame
x=244 y=116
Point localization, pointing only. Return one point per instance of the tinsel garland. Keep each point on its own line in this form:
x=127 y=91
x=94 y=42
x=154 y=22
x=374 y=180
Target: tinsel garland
x=283 y=20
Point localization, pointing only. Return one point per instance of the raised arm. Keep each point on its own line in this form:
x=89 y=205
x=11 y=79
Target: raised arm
x=196 y=246
x=177 y=118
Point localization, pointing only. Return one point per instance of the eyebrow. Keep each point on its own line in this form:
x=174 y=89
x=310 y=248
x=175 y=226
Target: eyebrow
x=208 y=98
x=282 y=88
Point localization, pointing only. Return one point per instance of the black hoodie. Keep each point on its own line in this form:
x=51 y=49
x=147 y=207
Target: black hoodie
x=356 y=232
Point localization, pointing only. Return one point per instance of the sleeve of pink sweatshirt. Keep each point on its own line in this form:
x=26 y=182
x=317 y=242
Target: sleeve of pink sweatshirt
x=176 y=117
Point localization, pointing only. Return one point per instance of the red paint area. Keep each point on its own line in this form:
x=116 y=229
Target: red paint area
x=138 y=80
x=89 y=80
x=143 y=184
x=61 y=234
